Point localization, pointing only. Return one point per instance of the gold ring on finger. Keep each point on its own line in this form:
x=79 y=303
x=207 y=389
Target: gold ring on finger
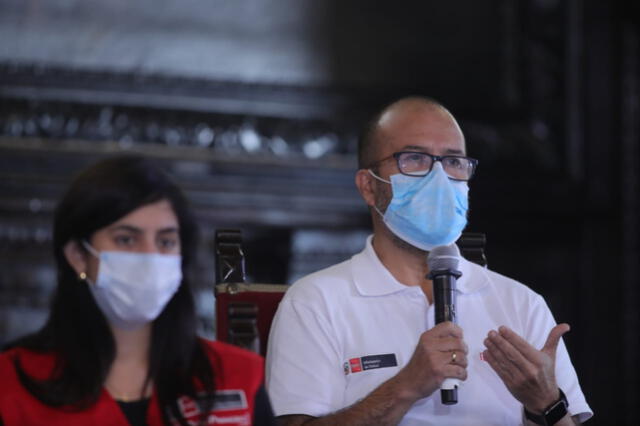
x=453 y=357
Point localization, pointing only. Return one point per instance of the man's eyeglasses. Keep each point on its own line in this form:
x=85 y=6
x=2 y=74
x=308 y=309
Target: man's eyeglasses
x=418 y=164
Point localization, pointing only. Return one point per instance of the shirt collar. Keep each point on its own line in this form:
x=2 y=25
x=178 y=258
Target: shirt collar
x=372 y=278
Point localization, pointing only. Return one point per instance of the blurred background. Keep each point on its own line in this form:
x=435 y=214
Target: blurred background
x=254 y=107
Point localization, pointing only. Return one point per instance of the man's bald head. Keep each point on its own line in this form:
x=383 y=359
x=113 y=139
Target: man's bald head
x=374 y=131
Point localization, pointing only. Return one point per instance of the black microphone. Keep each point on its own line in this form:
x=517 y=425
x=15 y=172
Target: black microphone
x=443 y=271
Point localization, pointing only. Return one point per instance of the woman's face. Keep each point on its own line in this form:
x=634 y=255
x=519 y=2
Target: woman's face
x=152 y=228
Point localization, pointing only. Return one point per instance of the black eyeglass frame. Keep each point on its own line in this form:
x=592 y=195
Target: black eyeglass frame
x=472 y=161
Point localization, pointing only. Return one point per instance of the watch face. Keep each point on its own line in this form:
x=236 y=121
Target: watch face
x=556 y=412
x=553 y=414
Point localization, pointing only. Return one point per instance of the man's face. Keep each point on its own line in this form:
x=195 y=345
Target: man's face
x=412 y=126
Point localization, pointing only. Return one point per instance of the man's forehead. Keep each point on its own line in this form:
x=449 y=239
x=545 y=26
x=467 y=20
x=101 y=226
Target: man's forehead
x=430 y=129
x=407 y=108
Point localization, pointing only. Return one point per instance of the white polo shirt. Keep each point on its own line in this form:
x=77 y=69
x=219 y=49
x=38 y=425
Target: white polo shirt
x=341 y=332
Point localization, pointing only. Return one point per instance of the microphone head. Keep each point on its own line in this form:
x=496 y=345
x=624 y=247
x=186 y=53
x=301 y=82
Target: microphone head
x=444 y=257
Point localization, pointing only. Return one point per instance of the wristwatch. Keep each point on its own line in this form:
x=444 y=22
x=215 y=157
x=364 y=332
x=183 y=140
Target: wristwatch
x=552 y=414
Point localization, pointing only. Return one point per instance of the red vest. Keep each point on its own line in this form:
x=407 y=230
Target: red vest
x=238 y=376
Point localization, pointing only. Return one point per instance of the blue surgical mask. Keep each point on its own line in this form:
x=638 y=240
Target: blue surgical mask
x=428 y=211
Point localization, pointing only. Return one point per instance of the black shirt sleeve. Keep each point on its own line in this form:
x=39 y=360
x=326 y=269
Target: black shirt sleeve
x=262 y=412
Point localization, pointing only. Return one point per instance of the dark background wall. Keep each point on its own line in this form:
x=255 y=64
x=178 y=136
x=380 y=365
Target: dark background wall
x=254 y=107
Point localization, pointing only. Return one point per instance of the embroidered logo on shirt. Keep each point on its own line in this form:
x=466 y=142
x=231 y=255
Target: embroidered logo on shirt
x=225 y=410
x=234 y=399
x=355 y=365
x=370 y=362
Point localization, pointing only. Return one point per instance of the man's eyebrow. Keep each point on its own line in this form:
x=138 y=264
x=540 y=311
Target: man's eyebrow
x=414 y=148
x=455 y=151
x=423 y=149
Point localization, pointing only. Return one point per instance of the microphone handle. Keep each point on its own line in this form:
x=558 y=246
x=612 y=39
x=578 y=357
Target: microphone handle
x=444 y=298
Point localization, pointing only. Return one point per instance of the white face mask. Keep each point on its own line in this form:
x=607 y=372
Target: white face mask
x=132 y=289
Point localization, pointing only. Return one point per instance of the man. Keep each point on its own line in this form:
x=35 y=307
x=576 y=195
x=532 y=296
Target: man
x=356 y=344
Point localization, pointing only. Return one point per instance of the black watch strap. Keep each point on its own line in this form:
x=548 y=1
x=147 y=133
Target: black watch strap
x=552 y=414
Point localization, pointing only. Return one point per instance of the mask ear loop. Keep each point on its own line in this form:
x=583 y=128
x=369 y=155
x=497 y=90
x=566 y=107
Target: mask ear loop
x=379 y=212
x=83 y=275
x=378 y=177
x=90 y=249
x=381 y=180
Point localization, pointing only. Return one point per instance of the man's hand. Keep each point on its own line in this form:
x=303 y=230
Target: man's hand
x=528 y=373
x=433 y=361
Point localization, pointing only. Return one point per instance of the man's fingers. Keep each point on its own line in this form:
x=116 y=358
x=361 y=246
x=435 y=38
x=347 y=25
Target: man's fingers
x=497 y=366
x=527 y=351
x=459 y=360
x=455 y=372
x=503 y=348
x=510 y=351
x=555 y=334
x=447 y=329
x=449 y=344
x=506 y=370
x=503 y=352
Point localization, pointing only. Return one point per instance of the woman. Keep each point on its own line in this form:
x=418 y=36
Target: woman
x=120 y=345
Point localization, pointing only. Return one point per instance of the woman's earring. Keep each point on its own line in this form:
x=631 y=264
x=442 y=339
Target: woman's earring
x=82 y=276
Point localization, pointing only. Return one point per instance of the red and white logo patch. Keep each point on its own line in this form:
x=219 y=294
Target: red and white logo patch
x=370 y=362
x=355 y=364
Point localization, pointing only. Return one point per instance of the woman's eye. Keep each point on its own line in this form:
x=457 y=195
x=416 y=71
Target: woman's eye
x=124 y=240
x=168 y=243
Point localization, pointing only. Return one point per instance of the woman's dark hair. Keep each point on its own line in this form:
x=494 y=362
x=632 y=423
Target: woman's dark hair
x=77 y=333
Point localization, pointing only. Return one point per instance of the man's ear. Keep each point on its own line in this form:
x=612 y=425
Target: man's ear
x=76 y=257
x=365 y=184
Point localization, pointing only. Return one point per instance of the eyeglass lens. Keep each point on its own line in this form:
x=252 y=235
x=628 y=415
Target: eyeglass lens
x=419 y=164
